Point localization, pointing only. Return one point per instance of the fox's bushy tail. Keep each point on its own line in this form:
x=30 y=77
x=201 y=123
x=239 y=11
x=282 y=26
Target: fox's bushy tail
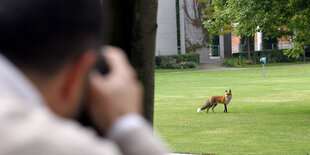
x=205 y=106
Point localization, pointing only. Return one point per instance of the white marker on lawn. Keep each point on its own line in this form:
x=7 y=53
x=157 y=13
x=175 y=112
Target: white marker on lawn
x=263 y=60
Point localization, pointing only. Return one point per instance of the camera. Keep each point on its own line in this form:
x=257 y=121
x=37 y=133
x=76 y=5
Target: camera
x=84 y=117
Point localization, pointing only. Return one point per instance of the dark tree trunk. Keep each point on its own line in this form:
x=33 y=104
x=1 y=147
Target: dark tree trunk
x=227 y=46
x=134 y=30
x=304 y=54
x=248 y=48
x=253 y=45
x=247 y=44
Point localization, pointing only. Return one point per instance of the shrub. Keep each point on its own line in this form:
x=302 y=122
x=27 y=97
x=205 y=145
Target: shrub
x=177 y=61
x=170 y=63
x=272 y=56
x=189 y=64
x=237 y=62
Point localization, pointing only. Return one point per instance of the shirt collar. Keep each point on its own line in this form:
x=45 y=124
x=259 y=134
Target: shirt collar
x=13 y=81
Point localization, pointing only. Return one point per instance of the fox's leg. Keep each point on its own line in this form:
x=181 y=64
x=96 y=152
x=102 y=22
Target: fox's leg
x=225 y=108
x=208 y=109
x=214 y=106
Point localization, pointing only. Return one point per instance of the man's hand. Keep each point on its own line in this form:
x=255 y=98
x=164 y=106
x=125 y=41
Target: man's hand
x=116 y=94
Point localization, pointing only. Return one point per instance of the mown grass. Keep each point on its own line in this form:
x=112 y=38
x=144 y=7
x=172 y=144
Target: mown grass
x=274 y=64
x=265 y=116
x=174 y=70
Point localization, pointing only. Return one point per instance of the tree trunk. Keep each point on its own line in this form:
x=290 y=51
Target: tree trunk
x=254 y=45
x=248 y=48
x=304 y=54
x=134 y=30
x=227 y=46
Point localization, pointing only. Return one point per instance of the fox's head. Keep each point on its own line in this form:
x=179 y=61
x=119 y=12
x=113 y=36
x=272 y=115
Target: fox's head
x=228 y=93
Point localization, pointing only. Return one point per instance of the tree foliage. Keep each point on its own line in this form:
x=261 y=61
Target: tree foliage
x=276 y=18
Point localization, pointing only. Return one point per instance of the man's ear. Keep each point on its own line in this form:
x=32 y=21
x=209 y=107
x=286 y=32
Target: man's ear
x=76 y=74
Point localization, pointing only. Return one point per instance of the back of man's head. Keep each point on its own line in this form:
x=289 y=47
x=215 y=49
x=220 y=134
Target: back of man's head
x=43 y=35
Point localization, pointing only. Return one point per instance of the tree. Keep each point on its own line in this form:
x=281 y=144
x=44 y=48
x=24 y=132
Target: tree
x=247 y=44
x=134 y=28
x=268 y=42
x=276 y=18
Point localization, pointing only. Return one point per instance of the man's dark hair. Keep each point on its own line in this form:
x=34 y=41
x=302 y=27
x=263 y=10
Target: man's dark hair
x=43 y=35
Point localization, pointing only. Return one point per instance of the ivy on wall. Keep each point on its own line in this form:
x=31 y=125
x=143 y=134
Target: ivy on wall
x=197 y=13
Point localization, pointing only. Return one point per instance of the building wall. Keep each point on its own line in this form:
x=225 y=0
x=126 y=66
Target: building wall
x=166 y=40
x=258 y=44
x=235 y=41
x=182 y=26
x=193 y=34
x=285 y=43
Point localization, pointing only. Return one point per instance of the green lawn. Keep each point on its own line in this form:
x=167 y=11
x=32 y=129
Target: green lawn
x=275 y=64
x=174 y=70
x=265 y=116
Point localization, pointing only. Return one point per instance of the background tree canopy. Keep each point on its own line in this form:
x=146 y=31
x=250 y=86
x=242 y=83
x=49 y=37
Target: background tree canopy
x=276 y=18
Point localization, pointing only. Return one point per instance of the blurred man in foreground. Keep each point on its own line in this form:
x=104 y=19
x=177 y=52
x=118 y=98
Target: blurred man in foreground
x=48 y=50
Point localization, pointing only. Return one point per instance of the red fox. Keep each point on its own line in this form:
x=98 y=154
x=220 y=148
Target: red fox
x=214 y=100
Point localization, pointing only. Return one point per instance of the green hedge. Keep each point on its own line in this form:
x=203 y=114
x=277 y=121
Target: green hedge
x=272 y=56
x=237 y=62
x=177 y=61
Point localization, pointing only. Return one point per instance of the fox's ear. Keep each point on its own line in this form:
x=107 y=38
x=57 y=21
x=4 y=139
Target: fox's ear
x=229 y=90
x=225 y=90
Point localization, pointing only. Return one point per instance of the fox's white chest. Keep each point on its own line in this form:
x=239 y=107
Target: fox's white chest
x=228 y=98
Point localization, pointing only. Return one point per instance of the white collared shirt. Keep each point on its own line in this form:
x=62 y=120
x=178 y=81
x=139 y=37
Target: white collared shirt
x=14 y=81
x=27 y=126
